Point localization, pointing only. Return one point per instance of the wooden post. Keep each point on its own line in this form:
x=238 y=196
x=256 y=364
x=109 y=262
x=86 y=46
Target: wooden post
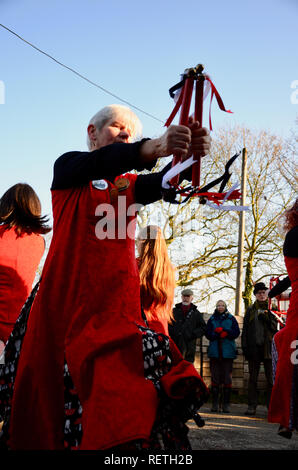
x=241 y=236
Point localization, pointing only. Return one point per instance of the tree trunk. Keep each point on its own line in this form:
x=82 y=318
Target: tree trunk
x=248 y=283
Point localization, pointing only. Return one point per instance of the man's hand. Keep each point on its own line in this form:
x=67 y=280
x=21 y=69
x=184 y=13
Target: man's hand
x=185 y=141
x=181 y=141
x=200 y=139
x=176 y=140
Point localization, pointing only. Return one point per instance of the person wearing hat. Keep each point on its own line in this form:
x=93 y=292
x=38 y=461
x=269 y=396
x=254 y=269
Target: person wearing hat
x=187 y=325
x=259 y=327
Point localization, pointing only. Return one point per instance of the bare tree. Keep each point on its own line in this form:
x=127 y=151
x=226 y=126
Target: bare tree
x=289 y=168
x=203 y=241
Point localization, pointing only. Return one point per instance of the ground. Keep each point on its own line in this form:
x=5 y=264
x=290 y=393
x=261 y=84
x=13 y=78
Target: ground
x=235 y=431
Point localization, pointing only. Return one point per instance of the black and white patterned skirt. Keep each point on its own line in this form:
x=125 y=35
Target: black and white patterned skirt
x=169 y=431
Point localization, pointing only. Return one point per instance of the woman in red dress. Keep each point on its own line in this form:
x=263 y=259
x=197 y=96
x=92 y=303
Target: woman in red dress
x=81 y=341
x=284 y=399
x=21 y=248
x=157 y=281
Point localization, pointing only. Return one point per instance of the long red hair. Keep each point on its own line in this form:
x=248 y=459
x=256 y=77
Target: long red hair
x=157 y=274
x=291 y=217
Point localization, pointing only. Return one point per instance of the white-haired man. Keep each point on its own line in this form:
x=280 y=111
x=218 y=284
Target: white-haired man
x=73 y=324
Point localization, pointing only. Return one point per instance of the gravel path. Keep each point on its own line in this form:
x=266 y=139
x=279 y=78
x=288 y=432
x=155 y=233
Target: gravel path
x=235 y=431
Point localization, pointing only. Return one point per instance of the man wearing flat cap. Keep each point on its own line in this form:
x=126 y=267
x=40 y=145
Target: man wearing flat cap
x=187 y=326
x=259 y=327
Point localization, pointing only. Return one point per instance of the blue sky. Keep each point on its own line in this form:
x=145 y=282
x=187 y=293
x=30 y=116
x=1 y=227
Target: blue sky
x=137 y=50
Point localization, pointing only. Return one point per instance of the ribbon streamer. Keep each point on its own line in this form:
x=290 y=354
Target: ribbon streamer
x=208 y=86
x=233 y=193
x=218 y=99
x=182 y=94
x=228 y=208
x=176 y=170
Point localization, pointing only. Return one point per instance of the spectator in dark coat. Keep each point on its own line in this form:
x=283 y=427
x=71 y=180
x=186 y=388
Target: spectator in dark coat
x=259 y=327
x=188 y=325
x=222 y=330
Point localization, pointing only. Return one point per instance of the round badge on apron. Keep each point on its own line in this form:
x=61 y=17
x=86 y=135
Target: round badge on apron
x=122 y=184
x=102 y=185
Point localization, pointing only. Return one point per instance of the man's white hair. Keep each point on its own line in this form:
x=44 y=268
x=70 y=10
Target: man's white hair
x=117 y=111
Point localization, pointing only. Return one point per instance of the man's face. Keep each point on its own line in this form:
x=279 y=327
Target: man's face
x=187 y=299
x=262 y=295
x=115 y=130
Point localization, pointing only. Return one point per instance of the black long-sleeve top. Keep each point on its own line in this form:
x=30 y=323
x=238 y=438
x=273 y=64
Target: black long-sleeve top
x=290 y=249
x=78 y=168
x=280 y=287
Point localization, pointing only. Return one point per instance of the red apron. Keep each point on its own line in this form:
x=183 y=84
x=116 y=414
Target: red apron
x=85 y=310
x=279 y=410
x=19 y=260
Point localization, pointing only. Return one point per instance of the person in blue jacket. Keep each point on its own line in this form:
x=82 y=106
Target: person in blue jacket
x=222 y=330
